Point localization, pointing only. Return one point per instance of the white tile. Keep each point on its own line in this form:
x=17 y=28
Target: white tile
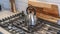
x=5 y=4
x=25 y=1
x=21 y=6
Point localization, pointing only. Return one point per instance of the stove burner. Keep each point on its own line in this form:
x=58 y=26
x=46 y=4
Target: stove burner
x=16 y=25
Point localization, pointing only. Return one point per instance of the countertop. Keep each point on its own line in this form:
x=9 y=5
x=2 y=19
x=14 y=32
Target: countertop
x=5 y=14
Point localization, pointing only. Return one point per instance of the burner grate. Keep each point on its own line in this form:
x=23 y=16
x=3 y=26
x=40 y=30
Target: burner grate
x=18 y=25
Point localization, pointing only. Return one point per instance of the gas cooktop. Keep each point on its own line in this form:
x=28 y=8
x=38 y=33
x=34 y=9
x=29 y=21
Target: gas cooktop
x=16 y=24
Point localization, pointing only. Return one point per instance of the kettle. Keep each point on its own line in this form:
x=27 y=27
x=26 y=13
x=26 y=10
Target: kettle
x=31 y=16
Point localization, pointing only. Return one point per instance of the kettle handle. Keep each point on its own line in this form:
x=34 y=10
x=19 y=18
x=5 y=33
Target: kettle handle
x=31 y=8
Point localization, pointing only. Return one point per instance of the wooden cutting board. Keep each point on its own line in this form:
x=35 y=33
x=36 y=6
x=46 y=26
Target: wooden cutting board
x=47 y=17
x=48 y=9
x=47 y=12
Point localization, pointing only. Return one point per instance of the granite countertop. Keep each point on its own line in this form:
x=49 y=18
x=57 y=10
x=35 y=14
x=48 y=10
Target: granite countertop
x=5 y=13
x=3 y=31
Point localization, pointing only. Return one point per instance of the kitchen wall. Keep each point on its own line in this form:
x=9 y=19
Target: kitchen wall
x=51 y=1
x=21 y=5
x=5 y=4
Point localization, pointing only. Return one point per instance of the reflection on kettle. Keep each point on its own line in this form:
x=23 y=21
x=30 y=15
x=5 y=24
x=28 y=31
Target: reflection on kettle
x=0 y=8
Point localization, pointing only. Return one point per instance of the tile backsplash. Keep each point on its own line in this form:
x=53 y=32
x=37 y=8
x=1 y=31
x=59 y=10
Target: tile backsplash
x=5 y=4
x=20 y=4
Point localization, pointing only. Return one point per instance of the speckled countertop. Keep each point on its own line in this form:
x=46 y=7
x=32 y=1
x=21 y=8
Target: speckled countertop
x=5 y=13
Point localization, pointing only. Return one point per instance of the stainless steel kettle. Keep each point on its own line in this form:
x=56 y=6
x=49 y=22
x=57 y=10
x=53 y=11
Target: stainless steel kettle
x=31 y=16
